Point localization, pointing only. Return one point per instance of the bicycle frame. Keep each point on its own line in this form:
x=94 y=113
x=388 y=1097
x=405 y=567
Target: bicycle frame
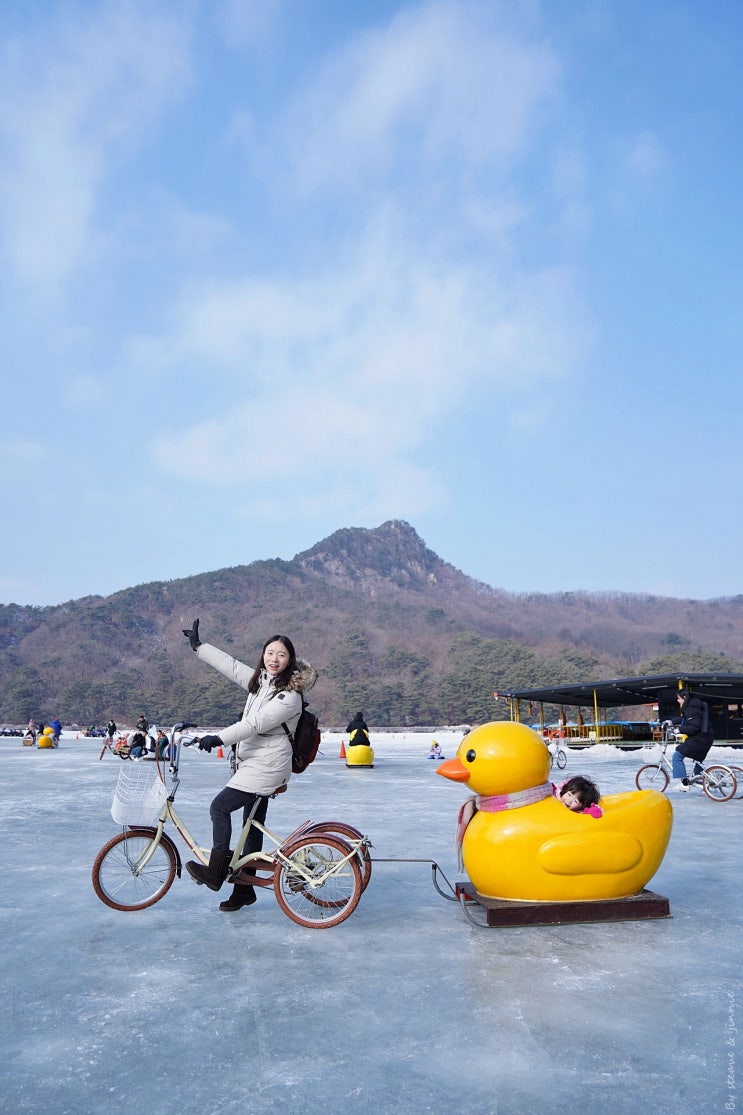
x=671 y=736
x=663 y=761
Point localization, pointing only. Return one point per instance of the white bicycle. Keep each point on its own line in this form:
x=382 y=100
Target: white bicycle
x=718 y=781
x=318 y=872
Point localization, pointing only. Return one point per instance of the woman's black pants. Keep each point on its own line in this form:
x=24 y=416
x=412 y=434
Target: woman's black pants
x=227 y=802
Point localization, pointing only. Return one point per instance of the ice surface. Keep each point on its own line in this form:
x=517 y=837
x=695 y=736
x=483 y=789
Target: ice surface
x=405 y=1007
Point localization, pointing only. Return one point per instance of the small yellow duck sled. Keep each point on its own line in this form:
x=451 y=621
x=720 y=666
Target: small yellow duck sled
x=540 y=851
x=46 y=739
x=360 y=755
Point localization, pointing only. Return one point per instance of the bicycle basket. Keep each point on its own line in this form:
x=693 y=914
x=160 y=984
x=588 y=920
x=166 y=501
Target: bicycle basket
x=139 y=796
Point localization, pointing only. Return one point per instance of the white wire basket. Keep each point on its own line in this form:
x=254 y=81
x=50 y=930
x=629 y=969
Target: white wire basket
x=139 y=796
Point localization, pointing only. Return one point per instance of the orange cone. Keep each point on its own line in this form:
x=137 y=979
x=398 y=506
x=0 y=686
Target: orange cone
x=343 y=750
x=220 y=753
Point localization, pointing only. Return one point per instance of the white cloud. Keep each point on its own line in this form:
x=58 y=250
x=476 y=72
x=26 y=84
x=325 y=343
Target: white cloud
x=380 y=354
x=71 y=98
x=442 y=81
x=401 y=321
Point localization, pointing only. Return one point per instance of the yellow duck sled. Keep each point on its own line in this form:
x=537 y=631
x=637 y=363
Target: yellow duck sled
x=359 y=752
x=532 y=848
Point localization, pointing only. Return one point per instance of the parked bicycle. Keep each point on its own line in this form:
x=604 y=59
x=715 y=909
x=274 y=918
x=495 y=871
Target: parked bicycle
x=318 y=872
x=718 y=781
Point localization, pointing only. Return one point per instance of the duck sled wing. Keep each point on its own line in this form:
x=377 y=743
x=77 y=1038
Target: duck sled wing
x=600 y=853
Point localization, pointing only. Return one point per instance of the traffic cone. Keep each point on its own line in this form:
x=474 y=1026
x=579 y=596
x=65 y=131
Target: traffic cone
x=343 y=750
x=220 y=753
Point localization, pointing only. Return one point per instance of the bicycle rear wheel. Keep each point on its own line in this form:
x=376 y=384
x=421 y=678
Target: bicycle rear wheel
x=317 y=889
x=116 y=878
x=652 y=776
x=719 y=783
x=340 y=828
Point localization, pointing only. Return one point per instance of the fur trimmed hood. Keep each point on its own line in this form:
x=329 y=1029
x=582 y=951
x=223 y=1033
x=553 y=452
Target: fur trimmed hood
x=303 y=678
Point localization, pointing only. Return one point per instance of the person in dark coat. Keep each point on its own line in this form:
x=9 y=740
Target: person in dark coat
x=358 y=730
x=694 y=722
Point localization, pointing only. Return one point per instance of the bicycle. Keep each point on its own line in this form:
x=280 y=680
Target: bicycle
x=558 y=756
x=718 y=781
x=318 y=872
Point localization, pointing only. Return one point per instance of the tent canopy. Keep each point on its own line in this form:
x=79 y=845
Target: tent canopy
x=635 y=691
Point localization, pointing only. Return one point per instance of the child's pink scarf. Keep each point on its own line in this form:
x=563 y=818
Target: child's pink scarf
x=496 y=804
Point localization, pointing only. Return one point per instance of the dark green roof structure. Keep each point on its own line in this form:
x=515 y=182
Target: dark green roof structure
x=722 y=692
x=635 y=691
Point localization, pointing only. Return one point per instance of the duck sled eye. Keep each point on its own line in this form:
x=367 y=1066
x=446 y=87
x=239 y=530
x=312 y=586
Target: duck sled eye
x=471 y=756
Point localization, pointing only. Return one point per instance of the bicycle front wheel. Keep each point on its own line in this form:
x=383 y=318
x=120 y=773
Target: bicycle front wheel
x=316 y=888
x=561 y=758
x=719 y=783
x=121 y=883
x=651 y=777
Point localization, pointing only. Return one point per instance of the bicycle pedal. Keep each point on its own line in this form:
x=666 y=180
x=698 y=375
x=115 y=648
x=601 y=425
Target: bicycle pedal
x=245 y=878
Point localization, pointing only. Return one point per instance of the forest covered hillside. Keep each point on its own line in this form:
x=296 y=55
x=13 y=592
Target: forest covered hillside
x=391 y=627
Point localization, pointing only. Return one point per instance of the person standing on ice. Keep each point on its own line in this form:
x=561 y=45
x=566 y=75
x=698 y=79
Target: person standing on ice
x=108 y=744
x=262 y=753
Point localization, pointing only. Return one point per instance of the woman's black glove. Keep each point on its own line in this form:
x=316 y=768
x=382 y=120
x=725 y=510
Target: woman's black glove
x=192 y=634
x=207 y=742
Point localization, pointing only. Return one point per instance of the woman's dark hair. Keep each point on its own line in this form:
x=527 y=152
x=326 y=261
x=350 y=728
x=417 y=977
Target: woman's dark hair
x=586 y=790
x=281 y=680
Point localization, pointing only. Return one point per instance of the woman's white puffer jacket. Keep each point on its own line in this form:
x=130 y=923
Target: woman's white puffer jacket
x=263 y=750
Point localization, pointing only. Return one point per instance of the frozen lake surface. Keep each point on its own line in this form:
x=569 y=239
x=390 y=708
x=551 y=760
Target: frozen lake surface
x=405 y=1007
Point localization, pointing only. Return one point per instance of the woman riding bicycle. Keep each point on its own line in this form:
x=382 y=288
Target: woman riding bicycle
x=261 y=748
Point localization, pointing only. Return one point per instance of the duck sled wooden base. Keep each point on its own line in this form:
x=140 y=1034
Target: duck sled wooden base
x=506 y=913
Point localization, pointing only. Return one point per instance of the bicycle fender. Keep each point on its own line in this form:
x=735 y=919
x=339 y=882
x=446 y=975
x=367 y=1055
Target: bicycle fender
x=147 y=830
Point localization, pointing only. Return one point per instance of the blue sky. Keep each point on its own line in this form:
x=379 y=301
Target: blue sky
x=271 y=269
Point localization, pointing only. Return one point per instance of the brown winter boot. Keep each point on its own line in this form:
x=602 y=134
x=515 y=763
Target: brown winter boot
x=241 y=896
x=213 y=874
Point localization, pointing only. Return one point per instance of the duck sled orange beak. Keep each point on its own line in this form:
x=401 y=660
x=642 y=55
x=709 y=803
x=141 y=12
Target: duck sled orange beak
x=454 y=769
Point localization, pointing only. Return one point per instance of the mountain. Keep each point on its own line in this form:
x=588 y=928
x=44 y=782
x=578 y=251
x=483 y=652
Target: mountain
x=391 y=627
